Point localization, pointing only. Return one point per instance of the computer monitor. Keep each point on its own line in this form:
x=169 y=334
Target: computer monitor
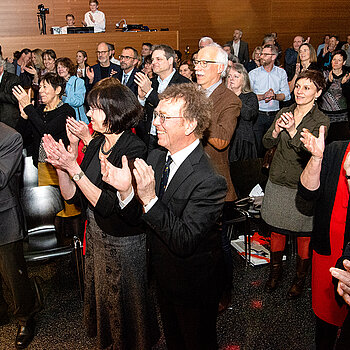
x=79 y=30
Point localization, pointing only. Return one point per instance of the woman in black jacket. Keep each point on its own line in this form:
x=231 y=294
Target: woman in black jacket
x=116 y=305
x=243 y=152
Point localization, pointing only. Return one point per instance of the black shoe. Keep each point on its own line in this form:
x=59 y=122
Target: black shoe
x=25 y=335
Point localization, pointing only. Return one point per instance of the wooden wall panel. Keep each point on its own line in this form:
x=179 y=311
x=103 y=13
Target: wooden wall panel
x=67 y=45
x=193 y=18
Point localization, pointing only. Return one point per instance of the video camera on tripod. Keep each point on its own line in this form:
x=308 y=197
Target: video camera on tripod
x=42 y=12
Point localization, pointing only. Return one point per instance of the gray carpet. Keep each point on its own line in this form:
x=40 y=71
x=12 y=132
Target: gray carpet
x=255 y=320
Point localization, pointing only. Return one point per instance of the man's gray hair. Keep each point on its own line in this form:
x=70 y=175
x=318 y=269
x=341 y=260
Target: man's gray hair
x=221 y=57
x=205 y=38
x=240 y=31
x=274 y=49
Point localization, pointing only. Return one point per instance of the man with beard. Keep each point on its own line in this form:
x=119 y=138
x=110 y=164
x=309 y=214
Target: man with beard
x=103 y=69
x=270 y=84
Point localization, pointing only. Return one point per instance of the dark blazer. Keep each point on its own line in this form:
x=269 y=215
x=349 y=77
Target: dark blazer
x=185 y=245
x=106 y=215
x=97 y=73
x=243 y=54
x=144 y=126
x=10 y=171
x=226 y=110
x=9 y=111
x=131 y=81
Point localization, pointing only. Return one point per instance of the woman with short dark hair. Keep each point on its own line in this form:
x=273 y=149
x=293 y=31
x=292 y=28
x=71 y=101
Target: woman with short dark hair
x=282 y=209
x=147 y=66
x=48 y=118
x=75 y=87
x=186 y=69
x=116 y=304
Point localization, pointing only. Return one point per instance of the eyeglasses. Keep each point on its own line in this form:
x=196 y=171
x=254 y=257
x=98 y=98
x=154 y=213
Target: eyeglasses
x=267 y=54
x=203 y=63
x=127 y=58
x=163 y=118
x=101 y=52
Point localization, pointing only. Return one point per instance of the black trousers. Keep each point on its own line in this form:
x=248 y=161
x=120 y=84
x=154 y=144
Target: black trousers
x=188 y=327
x=13 y=270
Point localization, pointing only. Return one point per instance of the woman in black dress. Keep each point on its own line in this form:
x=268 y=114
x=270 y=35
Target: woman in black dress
x=117 y=309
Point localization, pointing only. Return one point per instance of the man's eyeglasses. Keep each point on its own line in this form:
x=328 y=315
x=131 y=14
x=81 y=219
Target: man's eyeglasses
x=203 y=63
x=163 y=118
x=127 y=58
x=267 y=54
x=101 y=52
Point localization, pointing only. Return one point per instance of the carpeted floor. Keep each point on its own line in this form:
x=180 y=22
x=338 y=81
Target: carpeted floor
x=255 y=320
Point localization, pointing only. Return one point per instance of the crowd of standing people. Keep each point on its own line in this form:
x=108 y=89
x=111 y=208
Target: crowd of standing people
x=152 y=151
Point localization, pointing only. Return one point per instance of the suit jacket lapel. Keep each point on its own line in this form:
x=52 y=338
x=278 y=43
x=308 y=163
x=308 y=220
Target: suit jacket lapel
x=158 y=170
x=185 y=170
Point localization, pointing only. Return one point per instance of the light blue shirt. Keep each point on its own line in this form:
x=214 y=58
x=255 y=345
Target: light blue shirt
x=261 y=81
x=75 y=96
x=320 y=48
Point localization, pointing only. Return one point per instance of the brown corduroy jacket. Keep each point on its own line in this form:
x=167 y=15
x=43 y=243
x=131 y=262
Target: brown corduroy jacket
x=227 y=107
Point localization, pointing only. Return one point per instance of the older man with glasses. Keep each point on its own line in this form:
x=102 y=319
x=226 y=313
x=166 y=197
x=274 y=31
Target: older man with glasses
x=179 y=198
x=270 y=84
x=210 y=67
x=104 y=68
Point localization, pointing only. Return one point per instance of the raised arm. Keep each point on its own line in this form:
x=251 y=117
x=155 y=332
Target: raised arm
x=310 y=177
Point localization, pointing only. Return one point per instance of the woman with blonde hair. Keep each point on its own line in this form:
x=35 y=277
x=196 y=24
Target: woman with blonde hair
x=243 y=147
x=255 y=61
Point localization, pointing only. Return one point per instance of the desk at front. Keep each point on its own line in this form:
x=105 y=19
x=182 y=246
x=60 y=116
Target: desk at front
x=66 y=45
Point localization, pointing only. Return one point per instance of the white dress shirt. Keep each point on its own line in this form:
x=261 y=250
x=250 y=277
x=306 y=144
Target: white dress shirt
x=235 y=47
x=99 y=18
x=178 y=158
x=162 y=85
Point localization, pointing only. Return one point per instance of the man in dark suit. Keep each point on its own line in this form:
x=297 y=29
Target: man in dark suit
x=103 y=69
x=180 y=198
x=239 y=47
x=163 y=64
x=9 y=111
x=13 y=269
x=128 y=64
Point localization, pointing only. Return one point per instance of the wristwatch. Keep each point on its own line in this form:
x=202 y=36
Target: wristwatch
x=77 y=177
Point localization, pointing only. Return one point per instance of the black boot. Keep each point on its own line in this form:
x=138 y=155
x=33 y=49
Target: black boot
x=299 y=280
x=275 y=271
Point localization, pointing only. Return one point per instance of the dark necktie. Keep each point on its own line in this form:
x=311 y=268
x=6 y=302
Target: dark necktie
x=165 y=177
x=125 y=79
